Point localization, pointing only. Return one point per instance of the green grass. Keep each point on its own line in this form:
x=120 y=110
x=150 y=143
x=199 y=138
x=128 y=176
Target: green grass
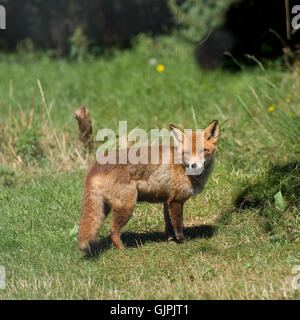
x=239 y=245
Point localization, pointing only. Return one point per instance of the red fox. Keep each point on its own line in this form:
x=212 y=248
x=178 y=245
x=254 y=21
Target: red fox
x=117 y=187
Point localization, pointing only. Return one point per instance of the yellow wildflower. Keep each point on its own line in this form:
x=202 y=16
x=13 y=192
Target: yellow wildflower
x=160 y=68
x=290 y=114
x=271 y=108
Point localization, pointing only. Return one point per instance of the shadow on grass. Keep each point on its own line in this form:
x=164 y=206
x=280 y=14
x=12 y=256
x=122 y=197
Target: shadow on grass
x=284 y=178
x=134 y=240
x=260 y=196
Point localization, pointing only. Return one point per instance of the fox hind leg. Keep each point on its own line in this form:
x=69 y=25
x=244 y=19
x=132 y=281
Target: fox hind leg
x=121 y=214
x=119 y=220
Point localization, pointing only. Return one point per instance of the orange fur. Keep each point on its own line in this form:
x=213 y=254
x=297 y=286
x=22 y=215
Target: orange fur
x=118 y=187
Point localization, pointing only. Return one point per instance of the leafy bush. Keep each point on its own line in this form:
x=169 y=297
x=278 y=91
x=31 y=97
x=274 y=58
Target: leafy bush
x=197 y=18
x=79 y=45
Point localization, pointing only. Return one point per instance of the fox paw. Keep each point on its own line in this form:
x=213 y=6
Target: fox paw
x=180 y=238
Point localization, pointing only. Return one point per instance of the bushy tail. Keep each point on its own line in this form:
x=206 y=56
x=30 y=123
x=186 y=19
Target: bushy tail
x=93 y=216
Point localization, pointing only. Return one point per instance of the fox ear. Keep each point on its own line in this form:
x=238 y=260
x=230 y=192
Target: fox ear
x=211 y=133
x=176 y=134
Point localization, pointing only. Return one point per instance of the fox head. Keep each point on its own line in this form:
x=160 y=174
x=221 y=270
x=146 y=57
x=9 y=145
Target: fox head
x=196 y=147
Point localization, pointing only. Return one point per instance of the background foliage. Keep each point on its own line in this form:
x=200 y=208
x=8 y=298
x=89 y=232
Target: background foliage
x=75 y=27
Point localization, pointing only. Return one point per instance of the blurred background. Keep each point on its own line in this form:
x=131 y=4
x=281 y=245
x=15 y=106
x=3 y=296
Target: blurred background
x=75 y=28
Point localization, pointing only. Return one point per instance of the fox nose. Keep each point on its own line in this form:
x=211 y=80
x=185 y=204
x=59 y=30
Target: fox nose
x=194 y=165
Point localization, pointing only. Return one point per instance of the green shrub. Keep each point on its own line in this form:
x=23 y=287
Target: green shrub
x=79 y=45
x=197 y=18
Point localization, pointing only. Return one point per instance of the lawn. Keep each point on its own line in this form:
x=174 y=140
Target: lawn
x=243 y=231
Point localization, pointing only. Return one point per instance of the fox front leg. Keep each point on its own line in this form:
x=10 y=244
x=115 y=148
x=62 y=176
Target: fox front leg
x=169 y=230
x=176 y=217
